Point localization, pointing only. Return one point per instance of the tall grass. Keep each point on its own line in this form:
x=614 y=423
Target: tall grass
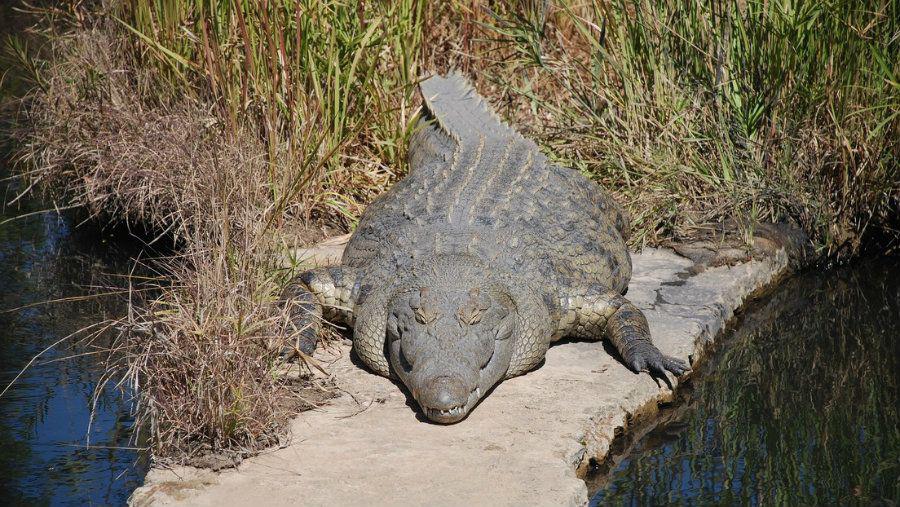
x=242 y=127
x=703 y=110
x=776 y=110
x=283 y=66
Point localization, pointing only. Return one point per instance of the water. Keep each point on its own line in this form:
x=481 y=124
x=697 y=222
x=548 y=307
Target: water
x=798 y=406
x=44 y=416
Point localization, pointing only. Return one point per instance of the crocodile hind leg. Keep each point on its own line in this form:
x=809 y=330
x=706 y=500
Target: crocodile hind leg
x=597 y=312
x=312 y=295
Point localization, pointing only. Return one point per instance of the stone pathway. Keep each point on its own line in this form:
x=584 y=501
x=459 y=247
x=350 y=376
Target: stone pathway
x=520 y=446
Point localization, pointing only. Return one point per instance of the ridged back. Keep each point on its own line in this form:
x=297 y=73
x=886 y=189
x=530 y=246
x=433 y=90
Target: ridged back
x=478 y=188
x=461 y=112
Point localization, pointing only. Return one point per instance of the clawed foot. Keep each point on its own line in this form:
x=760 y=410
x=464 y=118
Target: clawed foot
x=656 y=364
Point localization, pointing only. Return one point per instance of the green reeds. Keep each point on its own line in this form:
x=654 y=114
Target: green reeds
x=346 y=67
x=777 y=110
x=726 y=97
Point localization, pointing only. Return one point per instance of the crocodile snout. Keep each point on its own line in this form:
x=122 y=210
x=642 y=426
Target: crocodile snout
x=446 y=399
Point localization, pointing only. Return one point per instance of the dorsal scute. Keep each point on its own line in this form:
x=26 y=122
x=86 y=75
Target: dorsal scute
x=461 y=113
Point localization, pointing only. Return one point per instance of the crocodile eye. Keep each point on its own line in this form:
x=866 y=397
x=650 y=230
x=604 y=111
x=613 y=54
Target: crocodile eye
x=424 y=315
x=473 y=308
x=469 y=316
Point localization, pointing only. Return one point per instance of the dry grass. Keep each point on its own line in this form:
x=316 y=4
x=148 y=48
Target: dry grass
x=242 y=128
x=204 y=354
x=92 y=140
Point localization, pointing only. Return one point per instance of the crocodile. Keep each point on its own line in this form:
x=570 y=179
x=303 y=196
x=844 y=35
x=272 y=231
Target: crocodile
x=465 y=271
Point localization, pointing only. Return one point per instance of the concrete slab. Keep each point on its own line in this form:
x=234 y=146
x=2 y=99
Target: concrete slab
x=520 y=446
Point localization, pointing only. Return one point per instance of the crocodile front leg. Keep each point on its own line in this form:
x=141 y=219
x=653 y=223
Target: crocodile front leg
x=312 y=295
x=369 y=332
x=596 y=311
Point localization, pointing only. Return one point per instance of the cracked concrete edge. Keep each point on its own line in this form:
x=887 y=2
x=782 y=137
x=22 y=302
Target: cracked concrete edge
x=687 y=310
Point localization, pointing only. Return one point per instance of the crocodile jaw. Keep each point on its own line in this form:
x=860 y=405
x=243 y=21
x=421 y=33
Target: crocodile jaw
x=454 y=414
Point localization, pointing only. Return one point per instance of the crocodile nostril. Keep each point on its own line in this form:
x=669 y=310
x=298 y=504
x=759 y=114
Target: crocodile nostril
x=444 y=393
x=444 y=399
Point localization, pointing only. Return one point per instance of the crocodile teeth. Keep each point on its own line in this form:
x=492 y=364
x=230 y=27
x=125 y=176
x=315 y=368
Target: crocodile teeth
x=450 y=412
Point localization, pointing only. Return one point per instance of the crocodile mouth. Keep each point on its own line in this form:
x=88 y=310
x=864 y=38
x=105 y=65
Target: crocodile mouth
x=453 y=414
x=459 y=412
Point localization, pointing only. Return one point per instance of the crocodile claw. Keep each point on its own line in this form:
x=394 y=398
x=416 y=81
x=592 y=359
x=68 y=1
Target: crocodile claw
x=657 y=364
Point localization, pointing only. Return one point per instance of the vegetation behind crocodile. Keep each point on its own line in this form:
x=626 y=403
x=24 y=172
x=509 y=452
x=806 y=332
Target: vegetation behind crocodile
x=465 y=271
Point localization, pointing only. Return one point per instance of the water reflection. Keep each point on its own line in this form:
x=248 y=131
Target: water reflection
x=799 y=406
x=44 y=416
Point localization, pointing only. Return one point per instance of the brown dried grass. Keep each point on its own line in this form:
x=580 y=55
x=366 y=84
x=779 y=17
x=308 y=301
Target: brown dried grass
x=204 y=353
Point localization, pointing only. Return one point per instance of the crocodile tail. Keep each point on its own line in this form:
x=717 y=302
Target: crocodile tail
x=460 y=112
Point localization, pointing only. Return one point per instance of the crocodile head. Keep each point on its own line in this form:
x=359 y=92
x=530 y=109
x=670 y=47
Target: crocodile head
x=449 y=346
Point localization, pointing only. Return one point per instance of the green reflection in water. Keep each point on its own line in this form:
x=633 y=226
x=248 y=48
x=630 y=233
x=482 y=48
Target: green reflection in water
x=798 y=406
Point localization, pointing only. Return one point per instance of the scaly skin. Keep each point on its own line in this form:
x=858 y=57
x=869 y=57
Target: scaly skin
x=465 y=271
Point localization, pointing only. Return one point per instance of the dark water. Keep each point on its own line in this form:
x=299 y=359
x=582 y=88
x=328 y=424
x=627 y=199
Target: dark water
x=44 y=416
x=799 y=406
